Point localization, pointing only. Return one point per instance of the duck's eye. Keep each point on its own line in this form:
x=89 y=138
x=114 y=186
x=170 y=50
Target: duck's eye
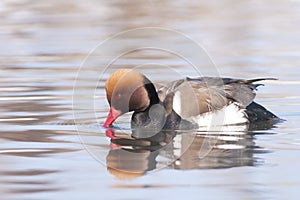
x=118 y=96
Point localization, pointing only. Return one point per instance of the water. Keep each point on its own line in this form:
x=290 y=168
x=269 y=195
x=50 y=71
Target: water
x=43 y=45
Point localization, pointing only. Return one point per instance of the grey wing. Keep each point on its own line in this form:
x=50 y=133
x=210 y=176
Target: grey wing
x=190 y=98
x=205 y=94
x=224 y=90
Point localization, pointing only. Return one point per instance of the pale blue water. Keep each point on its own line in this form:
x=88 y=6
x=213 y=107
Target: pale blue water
x=44 y=43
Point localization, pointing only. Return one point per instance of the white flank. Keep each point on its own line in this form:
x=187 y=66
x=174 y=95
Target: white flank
x=229 y=115
x=230 y=146
x=177 y=102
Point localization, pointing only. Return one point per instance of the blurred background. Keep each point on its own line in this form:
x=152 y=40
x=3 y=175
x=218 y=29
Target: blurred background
x=43 y=44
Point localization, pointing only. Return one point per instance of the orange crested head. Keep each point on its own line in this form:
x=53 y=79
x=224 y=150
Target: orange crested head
x=126 y=91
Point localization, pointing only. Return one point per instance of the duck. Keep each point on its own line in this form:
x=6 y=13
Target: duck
x=187 y=103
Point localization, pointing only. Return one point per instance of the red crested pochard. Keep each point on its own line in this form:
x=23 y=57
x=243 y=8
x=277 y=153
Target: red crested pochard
x=185 y=103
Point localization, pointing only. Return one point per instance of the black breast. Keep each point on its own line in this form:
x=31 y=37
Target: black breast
x=153 y=120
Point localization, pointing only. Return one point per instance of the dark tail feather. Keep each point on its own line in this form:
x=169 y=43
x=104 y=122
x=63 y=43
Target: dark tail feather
x=260 y=79
x=251 y=81
x=248 y=82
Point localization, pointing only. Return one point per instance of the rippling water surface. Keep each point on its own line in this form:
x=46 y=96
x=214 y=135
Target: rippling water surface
x=43 y=44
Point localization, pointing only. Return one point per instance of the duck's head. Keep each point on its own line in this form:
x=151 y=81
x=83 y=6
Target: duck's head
x=128 y=90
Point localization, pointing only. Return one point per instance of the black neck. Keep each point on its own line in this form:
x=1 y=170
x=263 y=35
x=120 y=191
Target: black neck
x=151 y=91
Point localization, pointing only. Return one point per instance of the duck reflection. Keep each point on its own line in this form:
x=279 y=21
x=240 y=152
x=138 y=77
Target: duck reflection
x=127 y=164
x=132 y=157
